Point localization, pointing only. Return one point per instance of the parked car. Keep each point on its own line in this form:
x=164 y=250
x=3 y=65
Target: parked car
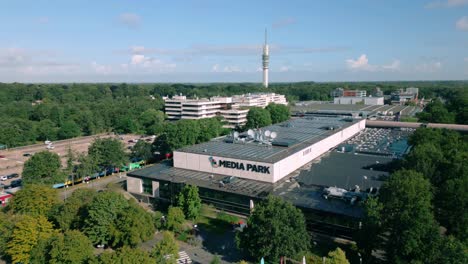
x=27 y=154
x=2 y=156
x=3 y=178
x=13 y=175
x=16 y=183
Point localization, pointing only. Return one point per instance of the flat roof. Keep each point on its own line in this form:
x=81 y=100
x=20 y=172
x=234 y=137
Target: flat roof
x=314 y=107
x=294 y=135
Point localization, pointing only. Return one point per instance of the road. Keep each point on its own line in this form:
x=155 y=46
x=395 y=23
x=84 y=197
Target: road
x=13 y=160
x=97 y=184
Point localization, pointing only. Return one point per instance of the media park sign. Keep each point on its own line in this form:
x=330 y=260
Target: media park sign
x=239 y=166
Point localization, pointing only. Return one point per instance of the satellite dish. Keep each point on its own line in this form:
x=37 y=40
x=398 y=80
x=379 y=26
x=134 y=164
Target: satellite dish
x=250 y=132
x=267 y=133
x=236 y=134
x=273 y=135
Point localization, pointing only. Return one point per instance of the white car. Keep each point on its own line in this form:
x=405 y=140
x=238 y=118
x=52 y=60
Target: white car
x=3 y=178
x=47 y=142
x=50 y=146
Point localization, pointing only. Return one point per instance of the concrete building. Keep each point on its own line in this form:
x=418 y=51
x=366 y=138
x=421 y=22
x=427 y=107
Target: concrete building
x=231 y=108
x=359 y=100
x=354 y=93
x=401 y=96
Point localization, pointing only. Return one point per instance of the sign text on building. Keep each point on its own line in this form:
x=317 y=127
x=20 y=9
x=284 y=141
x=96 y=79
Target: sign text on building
x=239 y=166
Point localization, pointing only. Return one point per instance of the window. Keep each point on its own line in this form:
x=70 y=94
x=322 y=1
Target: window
x=148 y=186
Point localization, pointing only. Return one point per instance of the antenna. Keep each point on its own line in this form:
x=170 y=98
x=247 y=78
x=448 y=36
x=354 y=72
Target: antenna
x=273 y=135
x=265 y=36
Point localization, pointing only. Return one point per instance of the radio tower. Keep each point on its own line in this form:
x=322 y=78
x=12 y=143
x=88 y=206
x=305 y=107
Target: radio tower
x=265 y=60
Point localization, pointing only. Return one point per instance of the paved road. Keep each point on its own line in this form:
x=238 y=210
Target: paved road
x=98 y=184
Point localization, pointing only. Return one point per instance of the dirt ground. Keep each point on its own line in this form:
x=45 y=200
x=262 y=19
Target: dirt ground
x=14 y=159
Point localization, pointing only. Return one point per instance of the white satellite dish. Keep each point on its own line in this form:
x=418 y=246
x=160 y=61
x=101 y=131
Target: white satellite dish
x=273 y=135
x=267 y=133
x=250 y=132
x=236 y=134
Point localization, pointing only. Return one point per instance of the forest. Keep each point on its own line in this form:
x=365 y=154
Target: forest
x=35 y=112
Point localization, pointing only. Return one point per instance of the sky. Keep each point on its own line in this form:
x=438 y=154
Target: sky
x=221 y=40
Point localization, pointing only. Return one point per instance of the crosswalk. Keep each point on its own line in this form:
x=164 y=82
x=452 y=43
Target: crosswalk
x=183 y=258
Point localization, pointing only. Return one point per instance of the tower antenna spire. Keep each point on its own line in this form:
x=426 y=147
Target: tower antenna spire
x=266 y=36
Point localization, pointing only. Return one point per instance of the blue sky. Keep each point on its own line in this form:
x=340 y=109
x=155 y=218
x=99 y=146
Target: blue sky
x=220 y=41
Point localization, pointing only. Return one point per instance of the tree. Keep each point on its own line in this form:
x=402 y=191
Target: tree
x=278 y=112
x=86 y=167
x=166 y=247
x=413 y=232
x=142 y=150
x=28 y=231
x=175 y=219
x=190 y=202
x=69 y=129
x=46 y=130
x=102 y=213
x=452 y=251
x=152 y=121
x=258 y=117
x=126 y=255
x=7 y=223
x=35 y=200
x=108 y=152
x=133 y=226
x=68 y=248
x=368 y=237
x=43 y=168
x=215 y=260
x=275 y=228
x=337 y=256
x=71 y=213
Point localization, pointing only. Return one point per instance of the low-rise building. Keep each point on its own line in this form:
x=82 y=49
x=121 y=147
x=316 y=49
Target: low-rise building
x=359 y=100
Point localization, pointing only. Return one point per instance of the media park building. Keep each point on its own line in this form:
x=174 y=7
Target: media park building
x=234 y=170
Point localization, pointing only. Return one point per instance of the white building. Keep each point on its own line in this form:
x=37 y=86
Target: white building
x=359 y=100
x=258 y=99
x=179 y=107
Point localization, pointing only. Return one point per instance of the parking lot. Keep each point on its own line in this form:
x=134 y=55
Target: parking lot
x=12 y=160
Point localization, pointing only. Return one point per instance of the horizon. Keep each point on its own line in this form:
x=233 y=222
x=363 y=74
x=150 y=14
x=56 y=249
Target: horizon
x=209 y=42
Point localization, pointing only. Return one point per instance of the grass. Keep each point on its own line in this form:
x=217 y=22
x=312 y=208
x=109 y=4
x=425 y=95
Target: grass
x=215 y=222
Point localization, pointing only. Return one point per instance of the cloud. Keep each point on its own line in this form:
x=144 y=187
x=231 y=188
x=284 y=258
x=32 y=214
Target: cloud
x=446 y=4
x=101 y=69
x=462 y=24
x=130 y=20
x=430 y=67
x=226 y=69
x=362 y=64
x=283 y=22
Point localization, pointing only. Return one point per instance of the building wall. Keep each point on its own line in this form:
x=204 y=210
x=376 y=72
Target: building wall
x=278 y=170
x=200 y=162
x=134 y=185
x=306 y=155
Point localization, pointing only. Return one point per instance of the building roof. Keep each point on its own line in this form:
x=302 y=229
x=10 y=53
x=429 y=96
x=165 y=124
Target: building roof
x=292 y=136
x=313 y=107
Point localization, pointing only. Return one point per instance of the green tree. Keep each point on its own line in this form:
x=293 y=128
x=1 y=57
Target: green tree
x=35 y=200
x=368 y=237
x=166 y=247
x=46 y=130
x=175 y=219
x=28 y=231
x=337 y=256
x=86 y=167
x=108 y=152
x=215 y=260
x=452 y=251
x=7 y=223
x=133 y=226
x=126 y=255
x=69 y=129
x=142 y=150
x=102 y=213
x=275 y=228
x=43 y=168
x=278 y=112
x=68 y=248
x=190 y=202
x=71 y=213
x=152 y=121
x=258 y=117
x=412 y=231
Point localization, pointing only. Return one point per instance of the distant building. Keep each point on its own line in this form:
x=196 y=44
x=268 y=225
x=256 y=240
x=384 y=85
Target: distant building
x=231 y=108
x=359 y=100
x=340 y=92
x=401 y=96
x=5 y=198
x=377 y=92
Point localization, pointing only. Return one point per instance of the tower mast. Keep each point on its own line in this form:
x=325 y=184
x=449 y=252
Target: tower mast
x=265 y=61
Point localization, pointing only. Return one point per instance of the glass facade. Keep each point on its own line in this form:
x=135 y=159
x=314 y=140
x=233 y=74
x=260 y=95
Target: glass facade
x=148 y=186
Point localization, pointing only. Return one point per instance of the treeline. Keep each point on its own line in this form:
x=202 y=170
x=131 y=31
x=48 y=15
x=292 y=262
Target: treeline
x=39 y=228
x=35 y=112
x=454 y=110
x=420 y=215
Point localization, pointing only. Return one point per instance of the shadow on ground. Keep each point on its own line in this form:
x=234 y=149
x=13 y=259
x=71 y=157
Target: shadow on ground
x=220 y=241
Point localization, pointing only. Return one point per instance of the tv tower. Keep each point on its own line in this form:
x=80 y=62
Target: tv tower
x=265 y=60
